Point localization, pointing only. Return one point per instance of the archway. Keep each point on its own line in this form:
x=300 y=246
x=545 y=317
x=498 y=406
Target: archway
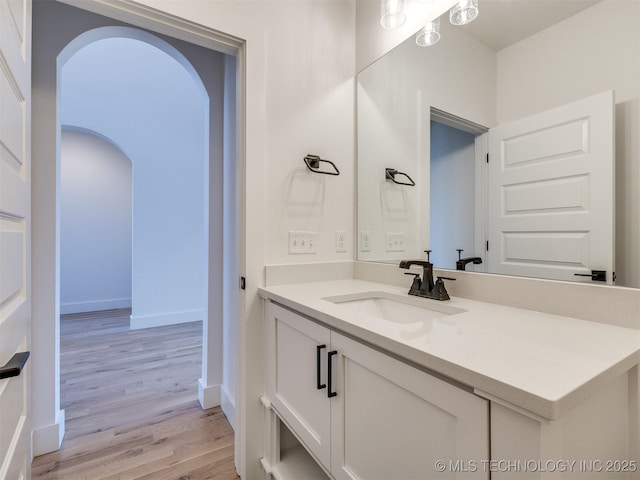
x=138 y=95
x=49 y=419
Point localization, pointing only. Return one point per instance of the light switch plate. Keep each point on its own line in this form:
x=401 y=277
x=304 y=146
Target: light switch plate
x=395 y=242
x=302 y=242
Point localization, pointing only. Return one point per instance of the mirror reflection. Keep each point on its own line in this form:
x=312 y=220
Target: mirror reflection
x=550 y=90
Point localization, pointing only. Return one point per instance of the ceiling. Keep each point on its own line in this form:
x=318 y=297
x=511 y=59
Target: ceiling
x=501 y=23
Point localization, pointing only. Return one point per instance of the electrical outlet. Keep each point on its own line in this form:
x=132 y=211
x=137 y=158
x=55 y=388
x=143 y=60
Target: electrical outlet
x=365 y=241
x=341 y=241
x=302 y=242
x=395 y=242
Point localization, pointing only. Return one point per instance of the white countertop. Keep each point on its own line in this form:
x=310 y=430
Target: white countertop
x=544 y=364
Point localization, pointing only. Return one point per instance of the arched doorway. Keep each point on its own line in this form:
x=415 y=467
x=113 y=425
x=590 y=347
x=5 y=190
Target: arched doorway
x=143 y=95
x=48 y=418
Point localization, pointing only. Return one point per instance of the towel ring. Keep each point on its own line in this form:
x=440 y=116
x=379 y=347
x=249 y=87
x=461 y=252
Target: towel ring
x=390 y=174
x=313 y=164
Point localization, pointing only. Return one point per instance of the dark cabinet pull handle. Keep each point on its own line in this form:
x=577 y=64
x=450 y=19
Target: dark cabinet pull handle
x=14 y=366
x=318 y=360
x=329 y=355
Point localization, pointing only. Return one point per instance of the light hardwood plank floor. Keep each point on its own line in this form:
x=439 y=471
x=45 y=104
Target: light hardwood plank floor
x=130 y=399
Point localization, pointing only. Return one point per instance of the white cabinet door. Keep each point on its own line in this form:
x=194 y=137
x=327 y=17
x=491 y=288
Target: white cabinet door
x=15 y=172
x=392 y=421
x=551 y=183
x=298 y=348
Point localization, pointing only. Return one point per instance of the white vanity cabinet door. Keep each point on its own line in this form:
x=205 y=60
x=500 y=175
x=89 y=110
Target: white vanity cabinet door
x=292 y=378
x=393 y=421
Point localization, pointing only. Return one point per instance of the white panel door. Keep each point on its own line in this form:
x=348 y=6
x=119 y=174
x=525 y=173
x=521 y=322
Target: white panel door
x=392 y=421
x=551 y=192
x=15 y=85
x=297 y=383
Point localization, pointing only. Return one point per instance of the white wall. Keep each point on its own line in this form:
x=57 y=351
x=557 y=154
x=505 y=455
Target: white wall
x=596 y=50
x=95 y=224
x=159 y=116
x=394 y=130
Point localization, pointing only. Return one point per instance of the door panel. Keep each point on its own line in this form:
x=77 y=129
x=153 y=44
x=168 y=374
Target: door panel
x=551 y=184
x=15 y=25
x=390 y=420
x=11 y=264
x=293 y=384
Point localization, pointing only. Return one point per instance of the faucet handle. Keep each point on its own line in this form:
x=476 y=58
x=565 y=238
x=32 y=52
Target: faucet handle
x=439 y=291
x=428 y=252
x=444 y=278
x=417 y=282
x=459 y=250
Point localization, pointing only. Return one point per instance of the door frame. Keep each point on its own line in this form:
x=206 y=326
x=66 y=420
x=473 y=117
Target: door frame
x=481 y=152
x=163 y=23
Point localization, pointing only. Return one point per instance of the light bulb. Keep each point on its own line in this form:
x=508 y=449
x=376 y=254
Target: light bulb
x=429 y=34
x=463 y=12
x=392 y=13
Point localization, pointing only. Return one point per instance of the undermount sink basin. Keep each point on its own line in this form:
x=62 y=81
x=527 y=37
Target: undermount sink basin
x=393 y=308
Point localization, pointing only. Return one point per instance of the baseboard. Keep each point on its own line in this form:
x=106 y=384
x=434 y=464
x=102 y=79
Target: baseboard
x=48 y=439
x=95 y=305
x=208 y=395
x=138 y=322
x=228 y=405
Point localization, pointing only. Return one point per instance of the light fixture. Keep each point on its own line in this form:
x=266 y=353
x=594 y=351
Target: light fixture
x=429 y=34
x=463 y=12
x=392 y=13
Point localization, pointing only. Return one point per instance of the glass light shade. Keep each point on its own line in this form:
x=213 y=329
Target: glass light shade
x=429 y=34
x=463 y=12
x=392 y=13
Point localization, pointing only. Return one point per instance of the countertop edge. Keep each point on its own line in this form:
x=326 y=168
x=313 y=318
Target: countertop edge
x=548 y=409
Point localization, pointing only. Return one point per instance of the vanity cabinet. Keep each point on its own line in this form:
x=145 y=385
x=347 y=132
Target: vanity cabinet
x=363 y=414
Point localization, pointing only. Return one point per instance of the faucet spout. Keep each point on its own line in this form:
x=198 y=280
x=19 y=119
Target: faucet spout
x=426 y=284
x=462 y=263
x=426 y=287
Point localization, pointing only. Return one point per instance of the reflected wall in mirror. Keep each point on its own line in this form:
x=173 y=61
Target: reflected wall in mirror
x=423 y=111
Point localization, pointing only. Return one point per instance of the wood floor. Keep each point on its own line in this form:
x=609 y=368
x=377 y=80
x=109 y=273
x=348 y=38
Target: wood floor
x=130 y=399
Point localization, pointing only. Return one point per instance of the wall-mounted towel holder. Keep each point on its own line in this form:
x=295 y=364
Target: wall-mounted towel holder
x=390 y=174
x=313 y=164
